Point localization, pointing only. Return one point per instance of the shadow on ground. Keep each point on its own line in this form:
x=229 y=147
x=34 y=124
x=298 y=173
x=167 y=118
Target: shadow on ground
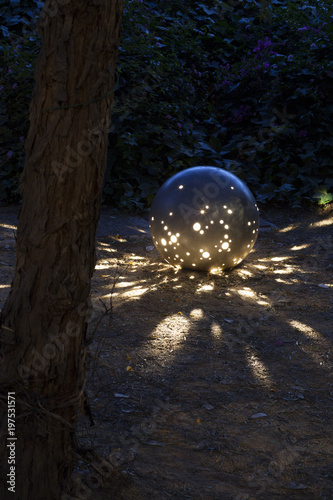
x=208 y=386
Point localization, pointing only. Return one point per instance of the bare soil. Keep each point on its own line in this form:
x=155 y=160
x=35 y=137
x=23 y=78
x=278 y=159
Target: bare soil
x=207 y=386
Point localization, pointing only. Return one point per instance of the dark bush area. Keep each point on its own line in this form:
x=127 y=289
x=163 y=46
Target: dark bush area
x=246 y=86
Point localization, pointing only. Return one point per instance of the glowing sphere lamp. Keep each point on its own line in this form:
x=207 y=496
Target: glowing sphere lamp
x=204 y=218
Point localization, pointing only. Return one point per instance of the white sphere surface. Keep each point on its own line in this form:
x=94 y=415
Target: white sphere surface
x=204 y=218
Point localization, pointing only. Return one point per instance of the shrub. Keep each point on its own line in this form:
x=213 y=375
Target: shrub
x=245 y=86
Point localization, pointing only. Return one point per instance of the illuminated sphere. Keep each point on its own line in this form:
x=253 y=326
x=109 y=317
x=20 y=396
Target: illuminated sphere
x=204 y=218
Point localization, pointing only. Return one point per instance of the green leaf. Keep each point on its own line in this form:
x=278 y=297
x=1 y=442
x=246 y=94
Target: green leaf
x=323 y=196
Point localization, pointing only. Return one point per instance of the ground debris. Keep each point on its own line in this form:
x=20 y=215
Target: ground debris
x=231 y=398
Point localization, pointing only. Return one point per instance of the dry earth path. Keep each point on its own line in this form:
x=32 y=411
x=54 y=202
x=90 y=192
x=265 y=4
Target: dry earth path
x=207 y=386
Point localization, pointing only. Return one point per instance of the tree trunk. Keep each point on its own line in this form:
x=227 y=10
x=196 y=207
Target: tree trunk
x=43 y=328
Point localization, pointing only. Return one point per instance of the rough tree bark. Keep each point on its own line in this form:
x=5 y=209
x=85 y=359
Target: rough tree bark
x=43 y=329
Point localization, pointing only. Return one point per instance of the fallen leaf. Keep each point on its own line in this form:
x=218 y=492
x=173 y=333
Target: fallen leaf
x=294 y=486
x=154 y=443
x=258 y=415
x=201 y=445
x=297 y=388
x=208 y=406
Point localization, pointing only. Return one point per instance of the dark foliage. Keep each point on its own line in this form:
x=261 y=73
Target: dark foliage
x=239 y=85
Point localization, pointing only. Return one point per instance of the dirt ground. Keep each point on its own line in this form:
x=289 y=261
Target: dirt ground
x=207 y=386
